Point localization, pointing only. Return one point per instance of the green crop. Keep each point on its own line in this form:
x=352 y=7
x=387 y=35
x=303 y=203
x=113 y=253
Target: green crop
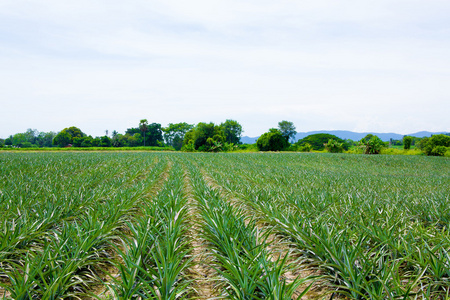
x=75 y=225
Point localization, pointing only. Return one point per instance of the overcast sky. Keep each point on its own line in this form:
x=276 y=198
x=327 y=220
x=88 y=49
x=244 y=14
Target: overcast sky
x=380 y=66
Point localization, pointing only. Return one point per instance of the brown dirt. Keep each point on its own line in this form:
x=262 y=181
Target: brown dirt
x=201 y=272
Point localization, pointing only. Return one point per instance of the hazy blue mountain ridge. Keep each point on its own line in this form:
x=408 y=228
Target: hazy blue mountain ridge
x=345 y=134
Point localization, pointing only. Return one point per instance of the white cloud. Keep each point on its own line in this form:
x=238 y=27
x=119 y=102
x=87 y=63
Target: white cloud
x=366 y=65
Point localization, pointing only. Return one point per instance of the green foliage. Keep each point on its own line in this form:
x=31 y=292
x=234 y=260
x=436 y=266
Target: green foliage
x=407 y=142
x=334 y=146
x=174 y=134
x=287 y=130
x=436 y=145
x=232 y=131
x=119 y=140
x=306 y=147
x=105 y=141
x=152 y=135
x=62 y=139
x=44 y=139
x=74 y=132
x=67 y=136
x=143 y=127
x=205 y=137
x=371 y=144
x=318 y=141
x=9 y=141
x=439 y=150
x=189 y=147
x=272 y=141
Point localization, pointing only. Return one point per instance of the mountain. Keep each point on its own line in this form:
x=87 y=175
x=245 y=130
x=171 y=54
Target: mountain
x=344 y=134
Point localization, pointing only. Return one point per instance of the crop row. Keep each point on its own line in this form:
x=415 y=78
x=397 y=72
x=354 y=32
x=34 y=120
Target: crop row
x=363 y=227
x=246 y=268
x=56 y=239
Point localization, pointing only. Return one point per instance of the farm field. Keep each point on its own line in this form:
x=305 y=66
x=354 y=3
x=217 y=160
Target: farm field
x=235 y=226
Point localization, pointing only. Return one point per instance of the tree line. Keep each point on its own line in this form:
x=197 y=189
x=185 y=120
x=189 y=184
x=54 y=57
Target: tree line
x=226 y=136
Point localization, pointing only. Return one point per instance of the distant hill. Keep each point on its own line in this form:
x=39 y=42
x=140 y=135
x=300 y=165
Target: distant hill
x=344 y=134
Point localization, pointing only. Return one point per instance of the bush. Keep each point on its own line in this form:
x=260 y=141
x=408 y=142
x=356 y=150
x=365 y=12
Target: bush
x=435 y=145
x=189 y=147
x=272 y=141
x=334 y=146
x=371 y=144
x=306 y=147
x=438 y=151
x=247 y=148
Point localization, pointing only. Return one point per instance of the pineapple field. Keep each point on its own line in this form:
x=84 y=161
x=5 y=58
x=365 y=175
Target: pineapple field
x=278 y=226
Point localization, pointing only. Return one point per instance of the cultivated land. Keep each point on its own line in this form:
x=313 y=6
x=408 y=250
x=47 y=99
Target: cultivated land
x=239 y=226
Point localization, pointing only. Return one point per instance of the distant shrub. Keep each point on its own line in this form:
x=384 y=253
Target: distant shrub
x=436 y=145
x=306 y=147
x=371 y=144
x=318 y=141
x=439 y=151
x=189 y=147
x=334 y=146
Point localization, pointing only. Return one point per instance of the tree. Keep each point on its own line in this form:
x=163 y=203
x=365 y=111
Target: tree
x=62 y=139
x=176 y=132
x=232 y=131
x=407 y=142
x=287 y=129
x=272 y=141
x=153 y=135
x=177 y=142
x=318 y=141
x=45 y=139
x=19 y=139
x=371 y=144
x=143 y=127
x=436 y=145
x=205 y=137
x=105 y=141
x=9 y=141
x=74 y=132
x=119 y=140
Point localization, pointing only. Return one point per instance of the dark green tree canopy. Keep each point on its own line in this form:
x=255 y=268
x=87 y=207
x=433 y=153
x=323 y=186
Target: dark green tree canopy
x=205 y=137
x=9 y=141
x=174 y=133
x=272 y=141
x=62 y=139
x=232 y=131
x=318 y=141
x=72 y=132
x=407 y=140
x=436 y=145
x=287 y=129
x=153 y=134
